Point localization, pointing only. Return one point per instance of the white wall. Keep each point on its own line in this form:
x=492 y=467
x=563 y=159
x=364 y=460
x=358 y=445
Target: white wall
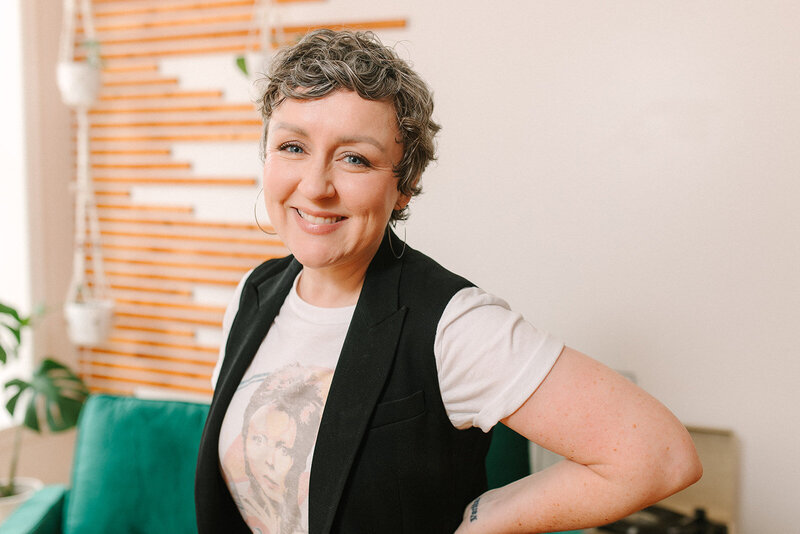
x=626 y=174
x=14 y=287
x=14 y=252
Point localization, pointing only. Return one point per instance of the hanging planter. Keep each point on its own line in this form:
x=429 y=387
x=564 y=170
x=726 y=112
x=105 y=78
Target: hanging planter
x=88 y=310
x=89 y=323
x=78 y=82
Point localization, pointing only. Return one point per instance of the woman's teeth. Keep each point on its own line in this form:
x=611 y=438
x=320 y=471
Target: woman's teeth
x=319 y=220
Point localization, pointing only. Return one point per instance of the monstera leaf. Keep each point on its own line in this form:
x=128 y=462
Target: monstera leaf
x=11 y=321
x=53 y=391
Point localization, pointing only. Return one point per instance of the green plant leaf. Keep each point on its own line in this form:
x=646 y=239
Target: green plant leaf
x=21 y=386
x=55 y=393
x=8 y=310
x=31 y=418
x=2 y=354
x=16 y=332
x=241 y=62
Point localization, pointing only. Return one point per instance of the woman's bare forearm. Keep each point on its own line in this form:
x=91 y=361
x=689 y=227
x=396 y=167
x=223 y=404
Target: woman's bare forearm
x=563 y=497
x=624 y=450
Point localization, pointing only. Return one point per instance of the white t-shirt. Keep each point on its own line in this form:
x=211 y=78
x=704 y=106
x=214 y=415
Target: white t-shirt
x=489 y=361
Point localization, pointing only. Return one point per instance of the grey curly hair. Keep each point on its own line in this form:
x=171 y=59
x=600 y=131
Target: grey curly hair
x=326 y=60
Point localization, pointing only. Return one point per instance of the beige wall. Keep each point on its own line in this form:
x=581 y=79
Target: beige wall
x=624 y=173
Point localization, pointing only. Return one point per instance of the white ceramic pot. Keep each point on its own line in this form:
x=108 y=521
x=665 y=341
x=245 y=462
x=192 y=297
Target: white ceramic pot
x=89 y=322
x=79 y=83
x=26 y=487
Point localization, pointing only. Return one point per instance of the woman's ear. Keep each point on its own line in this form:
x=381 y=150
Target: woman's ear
x=402 y=202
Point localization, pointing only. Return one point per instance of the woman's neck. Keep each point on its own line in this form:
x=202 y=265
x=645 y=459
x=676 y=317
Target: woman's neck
x=329 y=289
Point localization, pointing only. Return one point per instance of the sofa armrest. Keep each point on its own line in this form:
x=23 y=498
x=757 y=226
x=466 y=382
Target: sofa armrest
x=41 y=514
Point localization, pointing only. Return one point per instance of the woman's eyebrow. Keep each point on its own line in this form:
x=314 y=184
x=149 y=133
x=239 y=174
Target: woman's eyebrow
x=291 y=128
x=350 y=139
x=353 y=139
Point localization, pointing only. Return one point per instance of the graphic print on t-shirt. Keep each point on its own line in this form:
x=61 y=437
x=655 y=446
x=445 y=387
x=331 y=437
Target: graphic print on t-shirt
x=267 y=466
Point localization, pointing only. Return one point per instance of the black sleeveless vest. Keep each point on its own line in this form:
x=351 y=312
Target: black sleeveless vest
x=387 y=459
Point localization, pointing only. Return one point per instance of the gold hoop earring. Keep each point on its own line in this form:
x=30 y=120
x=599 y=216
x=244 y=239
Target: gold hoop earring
x=255 y=214
x=389 y=234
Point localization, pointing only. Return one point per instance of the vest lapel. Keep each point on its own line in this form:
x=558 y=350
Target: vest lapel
x=361 y=372
x=261 y=300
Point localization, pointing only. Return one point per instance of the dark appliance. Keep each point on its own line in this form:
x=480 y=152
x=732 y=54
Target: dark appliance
x=659 y=520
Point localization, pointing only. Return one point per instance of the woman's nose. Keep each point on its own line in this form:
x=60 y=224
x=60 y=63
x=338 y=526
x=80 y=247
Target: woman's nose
x=316 y=181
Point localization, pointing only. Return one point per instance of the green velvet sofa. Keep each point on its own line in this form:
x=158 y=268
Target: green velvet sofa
x=133 y=472
x=134 y=466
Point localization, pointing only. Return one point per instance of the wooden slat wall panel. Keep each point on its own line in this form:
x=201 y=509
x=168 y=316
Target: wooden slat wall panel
x=163 y=259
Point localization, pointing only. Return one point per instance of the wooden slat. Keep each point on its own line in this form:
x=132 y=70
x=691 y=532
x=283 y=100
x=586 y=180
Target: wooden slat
x=167 y=7
x=176 y=264
x=221 y=136
x=174 y=109
x=134 y=68
x=162 y=94
x=188 y=251
x=231 y=41
x=104 y=193
x=172 y=318
x=204 y=362
x=159 y=344
x=143 y=25
x=174 y=305
x=144 y=369
x=140 y=207
x=181 y=237
x=154 y=383
x=176 y=223
x=170 y=332
x=204 y=123
x=131 y=180
x=173 y=165
x=132 y=151
x=170 y=278
x=225 y=27
x=141 y=81
x=146 y=289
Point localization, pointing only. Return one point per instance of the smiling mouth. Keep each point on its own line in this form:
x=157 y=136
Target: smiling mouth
x=318 y=220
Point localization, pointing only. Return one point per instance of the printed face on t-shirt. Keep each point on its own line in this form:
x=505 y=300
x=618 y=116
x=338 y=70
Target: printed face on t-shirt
x=270 y=439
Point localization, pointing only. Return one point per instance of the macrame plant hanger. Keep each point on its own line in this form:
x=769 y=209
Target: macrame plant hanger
x=88 y=308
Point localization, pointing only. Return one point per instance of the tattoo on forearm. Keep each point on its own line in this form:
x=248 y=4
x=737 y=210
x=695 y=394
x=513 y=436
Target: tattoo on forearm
x=473 y=510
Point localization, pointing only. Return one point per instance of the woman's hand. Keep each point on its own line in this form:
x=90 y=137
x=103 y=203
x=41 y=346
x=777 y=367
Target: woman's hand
x=623 y=451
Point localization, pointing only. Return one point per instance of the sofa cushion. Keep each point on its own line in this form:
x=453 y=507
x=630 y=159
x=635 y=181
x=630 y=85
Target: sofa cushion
x=134 y=466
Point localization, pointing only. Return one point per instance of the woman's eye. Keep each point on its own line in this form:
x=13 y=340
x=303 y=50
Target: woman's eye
x=355 y=159
x=292 y=148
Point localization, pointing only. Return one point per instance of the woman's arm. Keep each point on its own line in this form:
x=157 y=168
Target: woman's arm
x=624 y=450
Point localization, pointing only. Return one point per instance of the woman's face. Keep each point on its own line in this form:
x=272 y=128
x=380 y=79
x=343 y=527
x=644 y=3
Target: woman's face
x=270 y=440
x=329 y=187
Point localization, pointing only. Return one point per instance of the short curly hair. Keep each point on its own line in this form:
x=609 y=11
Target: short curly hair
x=325 y=61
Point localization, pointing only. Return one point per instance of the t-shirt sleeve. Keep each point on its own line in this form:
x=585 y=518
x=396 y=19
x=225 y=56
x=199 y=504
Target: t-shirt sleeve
x=489 y=359
x=227 y=321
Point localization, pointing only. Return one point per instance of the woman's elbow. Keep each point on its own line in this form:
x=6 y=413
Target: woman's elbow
x=679 y=467
x=689 y=469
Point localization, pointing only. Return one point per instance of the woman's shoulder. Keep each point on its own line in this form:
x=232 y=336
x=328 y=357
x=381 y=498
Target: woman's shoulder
x=426 y=280
x=415 y=262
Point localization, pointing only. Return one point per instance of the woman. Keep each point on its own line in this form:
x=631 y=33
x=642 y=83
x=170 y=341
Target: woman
x=414 y=365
